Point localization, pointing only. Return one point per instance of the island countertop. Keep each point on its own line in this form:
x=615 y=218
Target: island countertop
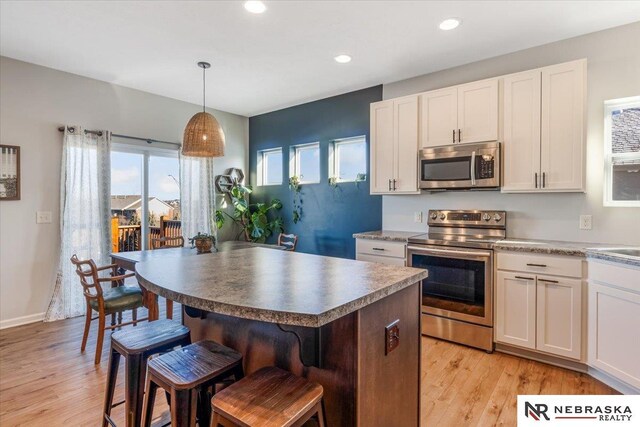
x=282 y=287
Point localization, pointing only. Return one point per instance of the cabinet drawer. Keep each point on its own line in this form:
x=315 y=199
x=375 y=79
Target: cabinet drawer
x=380 y=248
x=381 y=259
x=556 y=265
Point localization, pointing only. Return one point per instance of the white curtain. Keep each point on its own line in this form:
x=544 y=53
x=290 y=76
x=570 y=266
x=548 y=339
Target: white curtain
x=197 y=196
x=85 y=212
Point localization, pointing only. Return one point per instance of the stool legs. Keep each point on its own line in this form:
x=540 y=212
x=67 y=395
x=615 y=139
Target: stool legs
x=183 y=408
x=114 y=364
x=149 y=401
x=134 y=386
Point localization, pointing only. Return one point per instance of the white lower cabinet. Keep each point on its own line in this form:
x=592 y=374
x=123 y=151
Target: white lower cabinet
x=614 y=321
x=539 y=312
x=380 y=251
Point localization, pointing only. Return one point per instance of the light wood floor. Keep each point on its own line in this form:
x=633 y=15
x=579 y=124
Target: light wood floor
x=46 y=381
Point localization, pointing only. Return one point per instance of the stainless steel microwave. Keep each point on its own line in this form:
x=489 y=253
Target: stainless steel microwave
x=461 y=167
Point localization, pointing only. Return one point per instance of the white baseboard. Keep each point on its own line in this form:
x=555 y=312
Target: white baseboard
x=613 y=382
x=24 y=320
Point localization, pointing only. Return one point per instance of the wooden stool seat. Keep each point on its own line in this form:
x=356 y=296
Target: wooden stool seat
x=270 y=397
x=136 y=345
x=189 y=375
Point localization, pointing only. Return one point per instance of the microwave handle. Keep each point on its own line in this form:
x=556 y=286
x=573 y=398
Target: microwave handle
x=473 y=169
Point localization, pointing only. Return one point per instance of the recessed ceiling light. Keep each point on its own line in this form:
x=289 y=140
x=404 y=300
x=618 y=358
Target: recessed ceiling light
x=343 y=59
x=450 y=24
x=255 y=6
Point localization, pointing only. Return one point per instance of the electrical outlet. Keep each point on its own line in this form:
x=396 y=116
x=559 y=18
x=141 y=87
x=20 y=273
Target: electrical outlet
x=43 y=217
x=417 y=216
x=392 y=336
x=585 y=222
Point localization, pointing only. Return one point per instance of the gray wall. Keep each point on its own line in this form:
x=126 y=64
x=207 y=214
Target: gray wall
x=613 y=72
x=34 y=101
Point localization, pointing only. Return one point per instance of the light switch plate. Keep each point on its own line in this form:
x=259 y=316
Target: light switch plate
x=43 y=217
x=585 y=222
x=417 y=216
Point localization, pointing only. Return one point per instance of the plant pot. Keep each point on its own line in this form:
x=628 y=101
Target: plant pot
x=203 y=245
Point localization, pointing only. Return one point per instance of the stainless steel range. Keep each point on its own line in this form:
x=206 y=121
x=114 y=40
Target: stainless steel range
x=457 y=297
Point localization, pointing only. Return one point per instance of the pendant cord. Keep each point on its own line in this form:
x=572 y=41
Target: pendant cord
x=204 y=89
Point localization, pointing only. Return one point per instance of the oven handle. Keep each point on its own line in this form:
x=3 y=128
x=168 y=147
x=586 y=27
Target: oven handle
x=439 y=252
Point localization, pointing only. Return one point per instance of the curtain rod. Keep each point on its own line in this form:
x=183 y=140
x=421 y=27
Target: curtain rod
x=99 y=133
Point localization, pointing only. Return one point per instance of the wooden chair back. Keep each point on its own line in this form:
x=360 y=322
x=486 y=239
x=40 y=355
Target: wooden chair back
x=167 y=242
x=289 y=241
x=88 y=273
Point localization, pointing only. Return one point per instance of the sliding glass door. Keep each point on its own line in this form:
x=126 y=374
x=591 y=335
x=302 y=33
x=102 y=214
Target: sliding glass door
x=145 y=196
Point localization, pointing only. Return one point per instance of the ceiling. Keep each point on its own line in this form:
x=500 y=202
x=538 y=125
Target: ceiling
x=284 y=56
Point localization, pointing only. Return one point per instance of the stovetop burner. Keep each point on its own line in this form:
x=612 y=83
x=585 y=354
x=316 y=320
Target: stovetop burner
x=467 y=229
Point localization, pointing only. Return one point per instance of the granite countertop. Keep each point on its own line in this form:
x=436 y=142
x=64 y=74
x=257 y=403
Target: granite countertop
x=388 y=235
x=608 y=254
x=283 y=287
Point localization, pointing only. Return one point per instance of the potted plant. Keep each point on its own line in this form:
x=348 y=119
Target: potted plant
x=203 y=242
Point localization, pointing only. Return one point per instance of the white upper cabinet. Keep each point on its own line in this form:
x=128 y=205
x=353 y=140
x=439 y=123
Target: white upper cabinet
x=521 y=148
x=459 y=114
x=563 y=111
x=394 y=146
x=381 y=117
x=438 y=117
x=478 y=111
x=543 y=129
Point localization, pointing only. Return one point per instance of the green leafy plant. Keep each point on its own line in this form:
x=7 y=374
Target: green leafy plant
x=294 y=185
x=333 y=181
x=257 y=221
x=360 y=177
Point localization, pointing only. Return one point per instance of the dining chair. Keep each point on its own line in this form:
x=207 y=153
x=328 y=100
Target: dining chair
x=166 y=243
x=289 y=241
x=113 y=300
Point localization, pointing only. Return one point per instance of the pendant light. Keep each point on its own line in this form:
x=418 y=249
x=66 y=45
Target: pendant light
x=203 y=135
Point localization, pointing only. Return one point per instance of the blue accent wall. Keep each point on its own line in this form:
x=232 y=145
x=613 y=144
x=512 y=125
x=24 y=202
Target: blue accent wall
x=329 y=216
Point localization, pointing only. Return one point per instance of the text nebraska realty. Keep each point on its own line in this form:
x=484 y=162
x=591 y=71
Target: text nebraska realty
x=601 y=413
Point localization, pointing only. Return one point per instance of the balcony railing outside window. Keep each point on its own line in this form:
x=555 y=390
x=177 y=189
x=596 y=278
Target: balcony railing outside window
x=127 y=238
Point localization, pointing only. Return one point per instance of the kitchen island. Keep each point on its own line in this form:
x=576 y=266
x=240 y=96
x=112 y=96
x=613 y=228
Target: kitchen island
x=352 y=326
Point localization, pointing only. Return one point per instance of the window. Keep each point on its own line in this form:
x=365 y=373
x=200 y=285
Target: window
x=305 y=163
x=270 y=167
x=348 y=159
x=622 y=152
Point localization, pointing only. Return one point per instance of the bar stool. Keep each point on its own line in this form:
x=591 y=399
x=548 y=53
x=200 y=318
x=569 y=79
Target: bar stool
x=136 y=345
x=270 y=397
x=189 y=375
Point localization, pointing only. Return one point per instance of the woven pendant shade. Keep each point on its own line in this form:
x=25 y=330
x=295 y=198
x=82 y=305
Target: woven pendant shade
x=203 y=137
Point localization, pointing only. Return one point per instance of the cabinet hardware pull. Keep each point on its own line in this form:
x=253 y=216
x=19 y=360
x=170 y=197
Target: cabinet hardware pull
x=454 y=136
x=536 y=179
x=389 y=184
x=522 y=277
x=548 y=281
x=378 y=249
x=459 y=135
x=394 y=185
x=544 y=183
x=536 y=265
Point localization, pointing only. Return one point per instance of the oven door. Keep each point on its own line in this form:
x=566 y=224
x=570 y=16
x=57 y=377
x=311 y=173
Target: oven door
x=459 y=283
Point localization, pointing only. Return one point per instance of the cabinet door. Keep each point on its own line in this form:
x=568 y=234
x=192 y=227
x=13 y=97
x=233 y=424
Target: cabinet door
x=521 y=147
x=438 y=117
x=614 y=322
x=478 y=111
x=382 y=146
x=406 y=144
x=516 y=309
x=563 y=110
x=559 y=316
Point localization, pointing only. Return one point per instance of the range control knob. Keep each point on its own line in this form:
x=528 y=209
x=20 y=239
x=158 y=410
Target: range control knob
x=486 y=217
x=442 y=216
x=497 y=217
x=434 y=215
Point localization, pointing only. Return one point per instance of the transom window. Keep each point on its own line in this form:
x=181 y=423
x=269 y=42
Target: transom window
x=622 y=152
x=305 y=163
x=348 y=159
x=270 y=167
